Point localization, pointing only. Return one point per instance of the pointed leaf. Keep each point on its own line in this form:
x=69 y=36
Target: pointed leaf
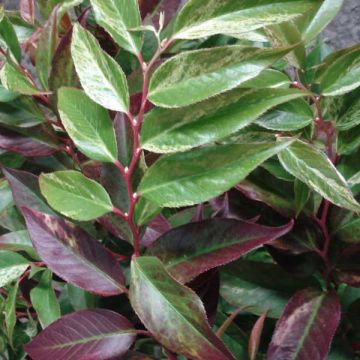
x=14 y=80
x=12 y=266
x=179 y=322
x=26 y=190
x=194 y=76
x=218 y=242
x=118 y=17
x=74 y=195
x=291 y=116
x=341 y=74
x=8 y=36
x=100 y=75
x=44 y=301
x=198 y=19
x=255 y=336
x=27 y=10
x=306 y=328
x=196 y=176
x=169 y=130
x=73 y=254
x=313 y=168
x=10 y=313
x=88 y=124
x=88 y=334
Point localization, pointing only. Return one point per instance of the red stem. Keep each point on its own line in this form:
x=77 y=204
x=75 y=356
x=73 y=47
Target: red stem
x=127 y=172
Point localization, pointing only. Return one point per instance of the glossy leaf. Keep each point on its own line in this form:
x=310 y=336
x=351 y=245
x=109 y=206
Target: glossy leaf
x=88 y=124
x=306 y=327
x=14 y=80
x=74 y=195
x=179 y=322
x=88 y=334
x=118 y=17
x=350 y=118
x=199 y=175
x=342 y=74
x=100 y=75
x=73 y=254
x=213 y=71
x=226 y=17
x=44 y=301
x=291 y=116
x=323 y=16
x=173 y=130
x=314 y=169
x=218 y=242
x=12 y=266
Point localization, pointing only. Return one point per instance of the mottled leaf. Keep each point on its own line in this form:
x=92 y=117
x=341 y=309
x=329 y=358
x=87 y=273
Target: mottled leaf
x=173 y=130
x=17 y=241
x=12 y=266
x=172 y=313
x=306 y=327
x=313 y=168
x=74 y=195
x=198 y=19
x=100 y=75
x=196 y=176
x=88 y=334
x=73 y=254
x=88 y=124
x=218 y=242
x=194 y=76
x=118 y=17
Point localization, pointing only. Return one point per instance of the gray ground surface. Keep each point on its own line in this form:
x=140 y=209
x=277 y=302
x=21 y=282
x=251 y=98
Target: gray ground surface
x=342 y=32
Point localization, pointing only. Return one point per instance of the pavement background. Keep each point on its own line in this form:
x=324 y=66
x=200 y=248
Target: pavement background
x=342 y=32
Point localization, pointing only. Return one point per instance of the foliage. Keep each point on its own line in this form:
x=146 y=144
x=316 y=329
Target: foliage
x=179 y=179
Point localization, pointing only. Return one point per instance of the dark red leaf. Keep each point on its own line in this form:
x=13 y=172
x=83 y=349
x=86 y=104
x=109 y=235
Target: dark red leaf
x=169 y=8
x=191 y=249
x=84 y=335
x=73 y=254
x=147 y=6
x=23 y=145
x=154 y=230
x=348 y=267
x=306 y=328
x=255 y=336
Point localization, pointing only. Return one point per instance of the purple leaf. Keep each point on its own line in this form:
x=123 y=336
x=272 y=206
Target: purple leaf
x=306 y=328
x=255 y=336
x=23 y=145
x=191 y=249
x=154 y=230
x=26 y=190
x=73 y=254
x=84 y=335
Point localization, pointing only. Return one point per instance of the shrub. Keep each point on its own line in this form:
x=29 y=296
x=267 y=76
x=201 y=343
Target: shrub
x=179 y=180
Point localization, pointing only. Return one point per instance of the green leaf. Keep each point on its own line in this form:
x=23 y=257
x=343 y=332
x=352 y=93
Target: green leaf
x=196 y=176
x=44 y=300
x=8 y=38
x=173 y=130
x=173 y=313
x=46 y=46
x=100 y=75
x=197 y=75
x=12 y=266
x=17 y=241
x=6 y=95
x=291 y=116
x=75 y=195
x=269 y=78
x=198 y=19
x=302 y=194
x=14 y=80
x=348 y=141
x=10 y=312
x=257 y=287
x=323 y=16
x=350 y=118
x=118 y=17
x=88 y=124
x=313 y=168
x=342 y=73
